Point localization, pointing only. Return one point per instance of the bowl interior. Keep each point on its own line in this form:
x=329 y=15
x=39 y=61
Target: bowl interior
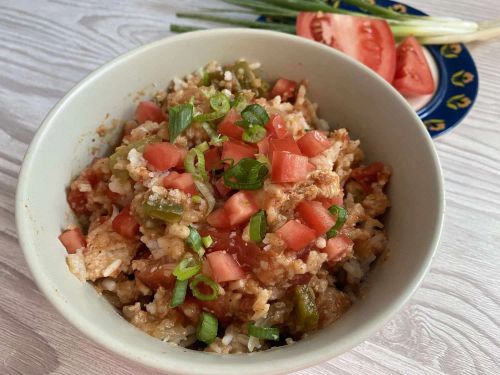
x=348 y=94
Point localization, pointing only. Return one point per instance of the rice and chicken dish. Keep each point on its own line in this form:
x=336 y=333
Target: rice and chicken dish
x=229 y=218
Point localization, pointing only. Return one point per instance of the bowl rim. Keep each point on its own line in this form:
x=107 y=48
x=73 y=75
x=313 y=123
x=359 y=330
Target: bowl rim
x=179 y=367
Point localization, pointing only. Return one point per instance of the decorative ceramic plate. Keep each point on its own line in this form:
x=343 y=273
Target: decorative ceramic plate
x=455 y=73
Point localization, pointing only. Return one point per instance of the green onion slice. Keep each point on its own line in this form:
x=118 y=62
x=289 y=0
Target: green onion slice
x=196 y=199
x=197 y=168
x=163 y=210
x=215 y=138
x=266 y=333
x=206 y=331
x=179 y=117
x=239 y=103
x=220 y=104
x=193 y=285
x=341 y=214
x=207 y=191
x=207 y=241
x=254 y=134
x=194 y=241
x=258 y=226
x=306 y=312
x=186 y=268
x=253 y=114
x=179 y=293
x=247 y=174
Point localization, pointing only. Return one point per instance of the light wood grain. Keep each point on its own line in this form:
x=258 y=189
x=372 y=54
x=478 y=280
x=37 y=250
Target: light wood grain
x=451 y=325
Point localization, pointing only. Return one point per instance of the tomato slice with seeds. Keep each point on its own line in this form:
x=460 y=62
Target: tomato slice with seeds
x=413 y=75
x=368 y=40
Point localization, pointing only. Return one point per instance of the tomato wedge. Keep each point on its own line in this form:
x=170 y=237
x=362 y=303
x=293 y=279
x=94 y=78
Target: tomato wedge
x=316 y=216
x=368 y=40
x=413 y=75
x=240 y=207
x=148 y=111
x=228 y=125
x=283 y=144
x=162 y=156
x=284 y=88
x=182 y=181
x=219 y=219
x=313 y=143
x=125 y=223
x=212 y=159
x=234 y=150
x=337 y=246
x=224 y=267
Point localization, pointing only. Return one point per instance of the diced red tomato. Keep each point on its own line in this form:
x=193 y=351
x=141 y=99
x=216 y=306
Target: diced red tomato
x=368 y=40
x=125 y=223
x=219 y=219
x=329 y=202
x=78 y=201
x=287 y=167
x=413 y=75
x=212 y=159
x=162 y=156
x=283 y=144
x=233 y=150
x=224 y=267
x=148 y=111
x=313 y=143
x=263 y=146
x=221 y=187
x=228 y=125
x=316 y=216
x=240 y=207
x=366 y=176
x=284 y=88
x=182 y=155
x=248 y=254
x=73 y=239
x=182 y=181
x=311 y=167
x=296 y=235
x=337 y=246
x=276 y=127
x=156 y=273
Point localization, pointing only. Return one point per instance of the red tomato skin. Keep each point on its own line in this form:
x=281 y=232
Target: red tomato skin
x=315 y=216
x=369 y=41
x=162 y=156
x=285 y=88
x=228 y=125
x=125 y=223
x=148 y=111
x=73 y=239
x=287 y=167
x=233 y=150
x=283 y=144
x=296 y=235
x=240 y=207
x=212 y=159
x=313 y=143
x=337 y=246
x=276 y=127
x=413 y=75
x=182 y=181
x=219 y=219
x=224 y=267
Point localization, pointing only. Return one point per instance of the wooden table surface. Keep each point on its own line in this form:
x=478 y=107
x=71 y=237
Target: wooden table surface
x=451 y=325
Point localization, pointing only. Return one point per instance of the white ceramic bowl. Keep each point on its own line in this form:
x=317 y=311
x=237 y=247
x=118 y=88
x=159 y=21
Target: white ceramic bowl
x=348 y=95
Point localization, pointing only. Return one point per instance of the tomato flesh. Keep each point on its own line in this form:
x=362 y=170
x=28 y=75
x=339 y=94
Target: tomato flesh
x=219 y=219
x=287 y=167
x=212 y=159
x=284 y=88
x=148 y=111
x=73 y=239
x=313 y=143
x=224 y=267
x=368 y=40
x=181 y=181
x=413 y=75
x=287 y=144
x=276 y=127
x=296 y=235
x=162 y=156
x=228 y=125
x=240 y=207
x=337 y=246
x=125 y=223
x=316 y=216
x=233 y=150
x=156 y=273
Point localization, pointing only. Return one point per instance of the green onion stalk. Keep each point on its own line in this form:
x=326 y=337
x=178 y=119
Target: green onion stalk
x=427 y=29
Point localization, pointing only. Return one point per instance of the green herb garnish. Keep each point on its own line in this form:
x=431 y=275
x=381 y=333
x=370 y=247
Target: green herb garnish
x=179 y=118
x=206 y=330
x=258 y=226
x=194 y=241
x=247 y=174
x=266 y=333
x=186 y=268
x=341 y=214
